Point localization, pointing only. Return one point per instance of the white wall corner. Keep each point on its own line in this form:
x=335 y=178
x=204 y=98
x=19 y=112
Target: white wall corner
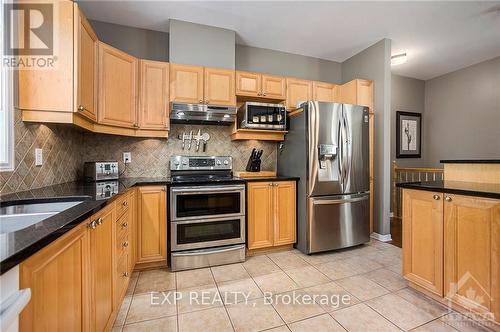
x=380 y=237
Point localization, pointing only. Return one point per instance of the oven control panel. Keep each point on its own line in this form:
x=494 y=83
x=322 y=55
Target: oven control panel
x=187 y=163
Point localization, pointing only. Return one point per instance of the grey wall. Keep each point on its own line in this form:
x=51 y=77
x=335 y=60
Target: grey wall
x=203 y=45
x=280 y=63
x=373 y=64
x=462 y=114
x=141 y=43
x=407 y=94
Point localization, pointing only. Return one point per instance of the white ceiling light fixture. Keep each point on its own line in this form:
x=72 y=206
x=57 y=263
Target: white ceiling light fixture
x=398 y=59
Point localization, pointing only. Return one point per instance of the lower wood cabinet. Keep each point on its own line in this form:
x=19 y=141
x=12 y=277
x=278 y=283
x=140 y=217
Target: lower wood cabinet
x=271 y=214
x=58 y=276
x=451 y=248
x=151 y=225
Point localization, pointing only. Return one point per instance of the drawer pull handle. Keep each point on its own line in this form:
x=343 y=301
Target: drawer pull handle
x=436 y=197
x=124 y=225
x=448 y=199
x=125 y=244
x=125 y=274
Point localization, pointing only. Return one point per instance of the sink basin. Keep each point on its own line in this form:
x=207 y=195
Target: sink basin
x=17 y=217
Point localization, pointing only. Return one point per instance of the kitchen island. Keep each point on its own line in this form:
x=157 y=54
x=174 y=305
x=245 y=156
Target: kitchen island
x=451 y=237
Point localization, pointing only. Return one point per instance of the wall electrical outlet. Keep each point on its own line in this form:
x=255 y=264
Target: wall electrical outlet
x=127 y=157
x=38 y=157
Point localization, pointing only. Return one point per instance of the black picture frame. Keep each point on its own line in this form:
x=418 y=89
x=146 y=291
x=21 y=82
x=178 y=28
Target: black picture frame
x=411 y=124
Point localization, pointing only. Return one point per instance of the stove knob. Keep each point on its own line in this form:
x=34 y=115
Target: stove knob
x=176 y=163
x=218 y=162
x=184 y=163
x=226 y=162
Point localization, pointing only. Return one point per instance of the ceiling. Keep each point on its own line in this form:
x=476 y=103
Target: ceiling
x=439 y=37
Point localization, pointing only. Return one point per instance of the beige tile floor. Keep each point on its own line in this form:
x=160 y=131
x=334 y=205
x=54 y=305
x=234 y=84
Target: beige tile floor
x=367 y=277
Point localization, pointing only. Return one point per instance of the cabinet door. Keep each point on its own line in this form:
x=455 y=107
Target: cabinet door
x=471 y=251
x=273 y=87
x=86 y=67
x=102 y=252
x=151 y=224
x=248 y=84
x=260 y=216
x=153 y=95
x=117 y=87
x=357 y=92
x=423 y=239
x=58 y=276
x=325 y=92
x=186 y=83
x=219 y=87
x=285 y=211
x=297 y=91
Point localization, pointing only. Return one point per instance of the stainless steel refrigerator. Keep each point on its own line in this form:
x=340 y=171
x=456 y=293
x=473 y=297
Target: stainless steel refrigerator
x=327 y=147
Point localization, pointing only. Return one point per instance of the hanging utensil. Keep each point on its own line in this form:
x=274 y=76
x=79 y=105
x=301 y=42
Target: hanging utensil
x=205 y=137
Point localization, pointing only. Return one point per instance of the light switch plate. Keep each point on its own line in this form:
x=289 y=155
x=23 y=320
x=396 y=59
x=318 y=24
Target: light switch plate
x=127 y=157
x=38 y=157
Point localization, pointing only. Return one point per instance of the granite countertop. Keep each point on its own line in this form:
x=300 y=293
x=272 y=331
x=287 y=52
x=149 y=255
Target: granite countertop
x=489 y=190
x=19 y=245
x=272 y=178
x=470 y=161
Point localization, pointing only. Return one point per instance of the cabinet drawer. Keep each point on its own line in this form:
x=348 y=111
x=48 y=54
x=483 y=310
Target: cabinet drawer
x=122 y=275
x=123 y=225
x=122 y=204
x=122 y=244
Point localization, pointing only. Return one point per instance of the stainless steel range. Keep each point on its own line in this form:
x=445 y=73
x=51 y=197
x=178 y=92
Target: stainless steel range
x=207 y=213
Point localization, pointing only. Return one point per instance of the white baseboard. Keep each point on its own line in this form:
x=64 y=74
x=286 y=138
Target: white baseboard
x=380 y=237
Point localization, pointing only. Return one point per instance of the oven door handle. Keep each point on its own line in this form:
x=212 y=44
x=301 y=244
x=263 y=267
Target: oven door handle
x=209 y=251
x=215 y=219
x=195 y=190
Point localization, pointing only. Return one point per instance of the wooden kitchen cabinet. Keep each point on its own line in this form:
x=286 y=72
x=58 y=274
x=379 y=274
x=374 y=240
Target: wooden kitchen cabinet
x=327 y=92
x=59 y=279
x=472 y=252
x=151 y=225
x=117 y=87
x=357 y=92
x=423 y=239
x=271 y=214
x=153 y=95
x=297 y=91
x=102 y=258
x=219 y=87
x=260 y=85
x=273 y=87
x=186 y=83
x=86 y=66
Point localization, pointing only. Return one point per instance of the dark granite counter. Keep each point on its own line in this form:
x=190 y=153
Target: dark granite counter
x=470 y=161
x=18 y=245
x=489 y=190
x=273 y=178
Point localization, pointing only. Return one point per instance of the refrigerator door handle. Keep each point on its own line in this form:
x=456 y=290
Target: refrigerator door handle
x=348 y=149
x=341 y=151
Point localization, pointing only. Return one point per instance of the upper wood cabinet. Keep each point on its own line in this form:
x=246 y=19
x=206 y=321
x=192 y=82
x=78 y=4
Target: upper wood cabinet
x=219 y=87
x=117 y=87
x=186 y=83
x=151 y=225
x=357 y=92
x=297 y=91
x=86 y=66
x=423 y=239
x=153 y=95
x=260 y=85
x=326 y=92
x=472 y=252
x=271 y=218
x=58 y=277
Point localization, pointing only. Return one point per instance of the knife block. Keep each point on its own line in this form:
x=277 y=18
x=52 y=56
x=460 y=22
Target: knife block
x=253 y=165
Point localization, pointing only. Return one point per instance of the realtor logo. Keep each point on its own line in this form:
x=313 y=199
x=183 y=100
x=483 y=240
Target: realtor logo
x=30 y=29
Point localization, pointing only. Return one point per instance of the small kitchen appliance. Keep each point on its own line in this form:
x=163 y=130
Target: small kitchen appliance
x=206 y=213
x=253 y=115
x=100 y=170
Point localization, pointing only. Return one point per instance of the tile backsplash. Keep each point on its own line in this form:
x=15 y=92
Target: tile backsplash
x=66 y=148
x=150 y=157
x=62 y=156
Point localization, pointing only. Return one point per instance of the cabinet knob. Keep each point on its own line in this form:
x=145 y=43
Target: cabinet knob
x=92 y=225
x=270 y=184
x=98 y=221
x=201 y=101
x=124 y=225
x=81 y=108
x=263 y=94
x=436 y=197
x=125 y=244
x=448 y=199
x=259 y=94
x=136 y=125
x=125 y=274
x=125 y=203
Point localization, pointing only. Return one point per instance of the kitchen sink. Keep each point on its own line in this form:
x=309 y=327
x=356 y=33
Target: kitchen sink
x=17 y=217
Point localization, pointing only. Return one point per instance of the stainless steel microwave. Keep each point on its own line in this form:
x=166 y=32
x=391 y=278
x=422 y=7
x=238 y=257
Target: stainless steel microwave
x=253 y=115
